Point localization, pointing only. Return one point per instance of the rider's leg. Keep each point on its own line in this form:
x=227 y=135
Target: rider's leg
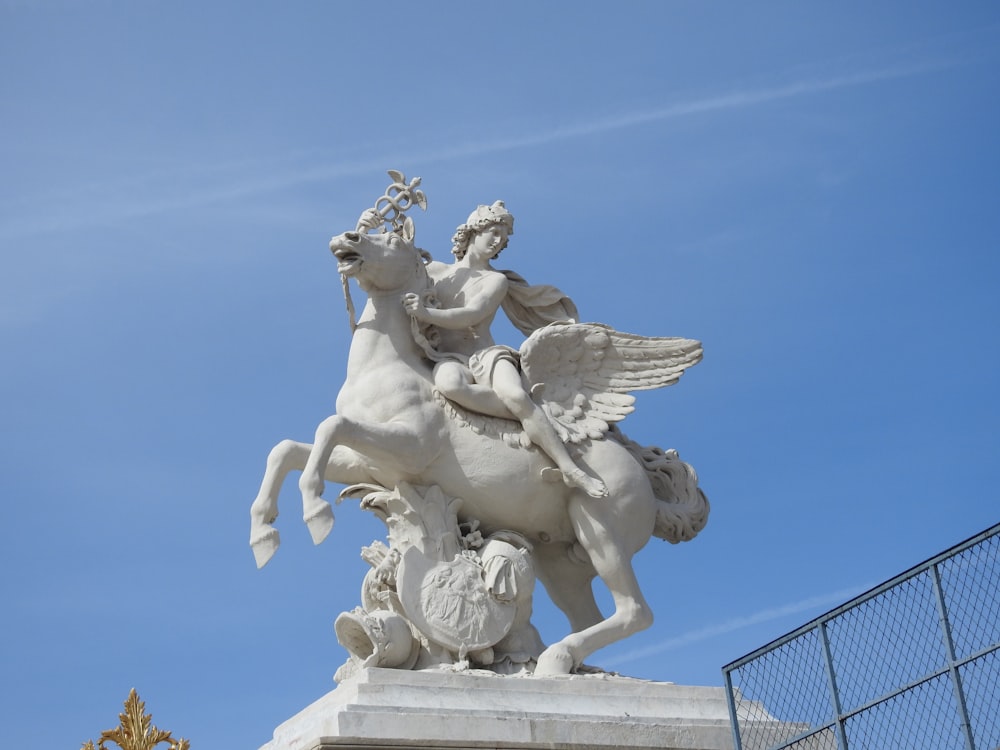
x=455 y=383
x=510 y=389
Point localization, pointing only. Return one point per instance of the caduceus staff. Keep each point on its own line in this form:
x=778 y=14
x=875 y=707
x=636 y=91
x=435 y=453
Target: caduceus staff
x=388 y=214
x=389 y=209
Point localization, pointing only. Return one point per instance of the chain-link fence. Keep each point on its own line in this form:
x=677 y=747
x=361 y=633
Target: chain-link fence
x=913 y=663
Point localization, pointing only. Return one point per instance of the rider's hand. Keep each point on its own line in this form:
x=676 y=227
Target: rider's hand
x=414 y=306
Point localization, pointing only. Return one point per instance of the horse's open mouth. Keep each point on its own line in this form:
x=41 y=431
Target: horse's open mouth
x=348 y=260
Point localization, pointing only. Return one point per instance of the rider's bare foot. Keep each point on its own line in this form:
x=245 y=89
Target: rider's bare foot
x=591 y=485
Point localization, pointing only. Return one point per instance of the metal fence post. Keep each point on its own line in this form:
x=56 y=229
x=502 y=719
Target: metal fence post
x=834 y=693
x=949 y=645
x=734 y=718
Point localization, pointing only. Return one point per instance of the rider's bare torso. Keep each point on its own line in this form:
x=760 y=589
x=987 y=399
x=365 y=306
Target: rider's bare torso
x=458 y=287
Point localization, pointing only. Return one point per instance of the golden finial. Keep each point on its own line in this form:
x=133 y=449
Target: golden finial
x=136 y=731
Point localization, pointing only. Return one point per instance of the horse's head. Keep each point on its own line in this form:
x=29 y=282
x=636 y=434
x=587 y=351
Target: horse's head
x=380 y=262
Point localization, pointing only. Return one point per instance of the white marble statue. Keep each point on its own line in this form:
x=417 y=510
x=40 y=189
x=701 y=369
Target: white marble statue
x=474 y=371
x=489 y=466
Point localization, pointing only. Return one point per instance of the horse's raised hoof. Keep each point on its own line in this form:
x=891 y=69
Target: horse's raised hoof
x=264 y=545
x=320 y=522
x=555 y=660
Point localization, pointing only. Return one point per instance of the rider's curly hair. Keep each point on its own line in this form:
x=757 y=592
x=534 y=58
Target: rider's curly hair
x=482 y=217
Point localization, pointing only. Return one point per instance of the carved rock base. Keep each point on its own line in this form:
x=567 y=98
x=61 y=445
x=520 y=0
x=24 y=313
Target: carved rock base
x=388 y=708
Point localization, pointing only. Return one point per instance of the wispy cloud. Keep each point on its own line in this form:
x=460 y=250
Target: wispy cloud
x=813 y=603
x=730 y=101
x=103 y=207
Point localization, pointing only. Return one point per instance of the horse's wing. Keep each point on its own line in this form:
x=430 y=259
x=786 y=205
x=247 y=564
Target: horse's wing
x=582 y=373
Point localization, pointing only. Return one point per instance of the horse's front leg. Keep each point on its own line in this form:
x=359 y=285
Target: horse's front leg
x=395 y=445
x=343 y=466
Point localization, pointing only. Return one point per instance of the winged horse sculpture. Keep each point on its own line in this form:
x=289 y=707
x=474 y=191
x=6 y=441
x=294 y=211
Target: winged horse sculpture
x=392 y=427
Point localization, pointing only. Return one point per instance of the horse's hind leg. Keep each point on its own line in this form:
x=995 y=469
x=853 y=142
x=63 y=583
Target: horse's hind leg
x=611 y=559
x=569 y=584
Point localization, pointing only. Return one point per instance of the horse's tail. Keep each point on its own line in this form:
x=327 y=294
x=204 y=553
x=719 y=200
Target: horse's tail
x=682 y=510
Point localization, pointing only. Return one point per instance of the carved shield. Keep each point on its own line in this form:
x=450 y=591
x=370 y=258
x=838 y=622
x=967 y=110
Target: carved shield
x=449 y=602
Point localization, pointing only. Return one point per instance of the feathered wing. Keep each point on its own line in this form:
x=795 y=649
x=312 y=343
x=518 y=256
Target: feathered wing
x=582 y=373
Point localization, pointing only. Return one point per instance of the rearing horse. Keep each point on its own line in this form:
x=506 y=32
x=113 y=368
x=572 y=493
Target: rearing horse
x=391 y=427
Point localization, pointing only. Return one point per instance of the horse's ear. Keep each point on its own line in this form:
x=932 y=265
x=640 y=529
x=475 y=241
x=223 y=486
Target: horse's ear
x=408 y=231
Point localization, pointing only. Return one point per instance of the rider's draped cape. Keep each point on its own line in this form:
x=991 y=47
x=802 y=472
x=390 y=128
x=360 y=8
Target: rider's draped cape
x=531 y=307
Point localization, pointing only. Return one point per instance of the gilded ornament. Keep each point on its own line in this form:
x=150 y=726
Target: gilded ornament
x=136 y=730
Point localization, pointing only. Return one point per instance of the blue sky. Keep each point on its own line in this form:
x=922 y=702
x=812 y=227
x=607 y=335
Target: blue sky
x=810 y=189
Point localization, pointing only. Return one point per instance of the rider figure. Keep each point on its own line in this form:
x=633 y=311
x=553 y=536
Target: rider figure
x=470 y=292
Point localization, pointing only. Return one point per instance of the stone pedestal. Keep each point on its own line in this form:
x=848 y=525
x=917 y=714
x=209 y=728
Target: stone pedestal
x=386 y=708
